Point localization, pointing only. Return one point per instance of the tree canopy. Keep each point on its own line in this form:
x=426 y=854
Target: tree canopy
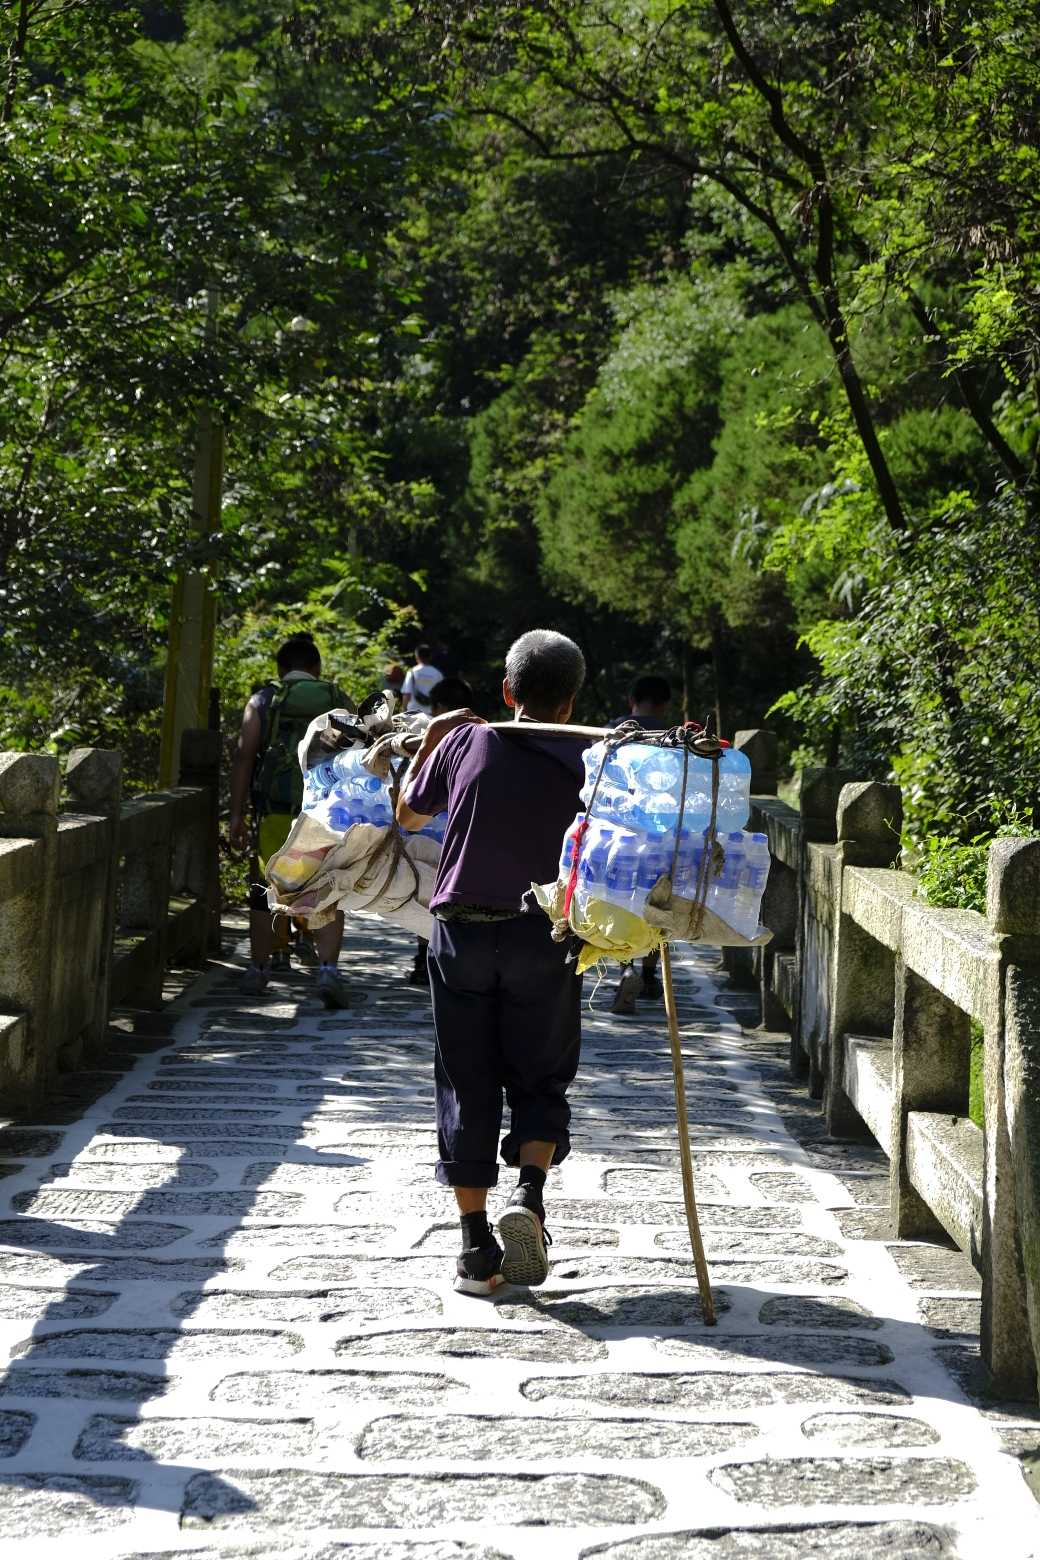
x=707 y=331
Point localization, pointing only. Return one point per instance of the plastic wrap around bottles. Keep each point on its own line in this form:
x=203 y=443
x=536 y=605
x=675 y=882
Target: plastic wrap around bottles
x=341 y=792
x=631 y=838
x=641 y=788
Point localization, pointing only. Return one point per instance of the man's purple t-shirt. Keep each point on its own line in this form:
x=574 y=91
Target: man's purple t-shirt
x=509 y=800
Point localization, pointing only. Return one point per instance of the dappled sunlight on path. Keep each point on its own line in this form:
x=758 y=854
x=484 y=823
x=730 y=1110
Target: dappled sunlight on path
x=228 y=1317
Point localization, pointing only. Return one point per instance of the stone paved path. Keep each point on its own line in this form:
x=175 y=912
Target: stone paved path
x=229 y=1327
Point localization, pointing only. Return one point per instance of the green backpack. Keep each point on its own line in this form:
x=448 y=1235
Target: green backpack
x=278 y=780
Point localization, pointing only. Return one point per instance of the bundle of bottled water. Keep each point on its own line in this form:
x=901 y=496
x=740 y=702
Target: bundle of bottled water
x=341 y=792
x=631 y=838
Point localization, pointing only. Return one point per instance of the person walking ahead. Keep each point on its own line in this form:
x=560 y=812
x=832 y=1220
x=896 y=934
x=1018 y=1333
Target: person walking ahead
x=266 y=771
x=506 y=998
x=420 y=681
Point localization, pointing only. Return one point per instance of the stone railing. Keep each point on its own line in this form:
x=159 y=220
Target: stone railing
x=880 y=993
x=96 y=899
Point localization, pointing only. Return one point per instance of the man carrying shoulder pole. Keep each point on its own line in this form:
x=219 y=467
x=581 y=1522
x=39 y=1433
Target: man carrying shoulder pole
x=506 y=998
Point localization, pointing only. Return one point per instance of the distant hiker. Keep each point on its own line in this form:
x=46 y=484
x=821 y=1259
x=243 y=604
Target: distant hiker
x=420 y=682
x=266 y=772
x=451 y=693
x=393 y=678
x=649 y=703
x=506 y=998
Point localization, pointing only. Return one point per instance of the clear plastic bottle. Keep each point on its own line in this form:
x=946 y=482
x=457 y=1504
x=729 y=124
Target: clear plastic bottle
x=752 y=883
x=723 y=897
x=319 y=781
x=642 y=788
x=687 y=863
x=340 y=816
x=569 y=841
x=350 y=772
x=592 y=865
x=654 y=858
x=622 y=869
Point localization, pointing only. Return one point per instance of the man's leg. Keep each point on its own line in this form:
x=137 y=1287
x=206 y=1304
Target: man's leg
x=651 y=986
x=272 y=830
x=261 y=934
x=541 y=1040
x=469 y=1093
x=332 y=988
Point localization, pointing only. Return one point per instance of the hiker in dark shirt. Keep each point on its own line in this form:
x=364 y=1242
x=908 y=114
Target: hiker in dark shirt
x=649 y=704
x=506 y=998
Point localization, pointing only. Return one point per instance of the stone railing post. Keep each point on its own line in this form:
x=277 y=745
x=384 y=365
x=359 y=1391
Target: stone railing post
x=196 y=848
x=759 y=747
x=1011 y=1184
x=868 y=825
x=144 y=895
x=94 y=780
x=29 y=816
x=819 y=792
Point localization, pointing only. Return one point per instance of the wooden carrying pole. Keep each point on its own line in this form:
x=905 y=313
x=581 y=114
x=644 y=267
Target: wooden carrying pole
x=685 y=1157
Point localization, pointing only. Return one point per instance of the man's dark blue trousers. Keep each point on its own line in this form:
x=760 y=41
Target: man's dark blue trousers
x=507 y=1017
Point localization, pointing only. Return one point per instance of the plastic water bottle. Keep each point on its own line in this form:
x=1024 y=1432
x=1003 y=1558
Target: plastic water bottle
x=569 y=842
x=655 y=769
x=723 y=897
x=654 y=858
x=594 y=852
x=622 y=869
x=734 y=790
x=687 y=864
x=752 y=884
x=319 y=781
x=641 y=788
x=351 y=773
x=340 y=816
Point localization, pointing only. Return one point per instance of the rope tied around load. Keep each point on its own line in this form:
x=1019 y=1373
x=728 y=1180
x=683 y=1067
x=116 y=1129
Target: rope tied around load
x=692 y=737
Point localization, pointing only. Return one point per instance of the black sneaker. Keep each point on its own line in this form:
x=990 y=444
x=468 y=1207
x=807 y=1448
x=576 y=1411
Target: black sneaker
x=625 y=997
x=478 y=1270
x=523 y=1232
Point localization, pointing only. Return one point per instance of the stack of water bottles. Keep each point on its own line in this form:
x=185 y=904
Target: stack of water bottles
x=341 y=792
x=630 y=840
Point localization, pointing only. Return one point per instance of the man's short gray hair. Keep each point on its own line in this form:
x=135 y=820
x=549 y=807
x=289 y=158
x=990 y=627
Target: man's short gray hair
x=545 y=669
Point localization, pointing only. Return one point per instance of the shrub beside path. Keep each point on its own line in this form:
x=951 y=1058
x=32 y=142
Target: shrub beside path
x=229 y=1327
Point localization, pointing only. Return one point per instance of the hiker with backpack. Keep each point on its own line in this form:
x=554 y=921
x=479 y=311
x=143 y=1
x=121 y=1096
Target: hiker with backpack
x=266 y=773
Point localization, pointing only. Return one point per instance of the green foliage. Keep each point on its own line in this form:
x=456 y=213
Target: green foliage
x=951 y=872
x=708 y=334
x=976 y=1078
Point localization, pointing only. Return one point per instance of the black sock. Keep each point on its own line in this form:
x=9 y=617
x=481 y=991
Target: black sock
x=476 y=1231
x=534 y=1180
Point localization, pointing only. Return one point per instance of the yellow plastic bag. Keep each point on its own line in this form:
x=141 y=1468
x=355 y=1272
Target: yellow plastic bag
x=606 y=930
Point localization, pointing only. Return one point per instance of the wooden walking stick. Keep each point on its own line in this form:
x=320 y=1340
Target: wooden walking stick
x=685 y=1157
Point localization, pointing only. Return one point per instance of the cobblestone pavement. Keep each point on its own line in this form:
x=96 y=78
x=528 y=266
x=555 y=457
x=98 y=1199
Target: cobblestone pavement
x=230 y=1330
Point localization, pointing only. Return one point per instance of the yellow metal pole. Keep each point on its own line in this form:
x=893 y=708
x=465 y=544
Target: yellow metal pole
x=189 y=659
x=700 y=1262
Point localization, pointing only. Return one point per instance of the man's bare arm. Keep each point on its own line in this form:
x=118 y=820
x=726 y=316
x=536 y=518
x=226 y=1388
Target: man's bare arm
x=434 y=734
